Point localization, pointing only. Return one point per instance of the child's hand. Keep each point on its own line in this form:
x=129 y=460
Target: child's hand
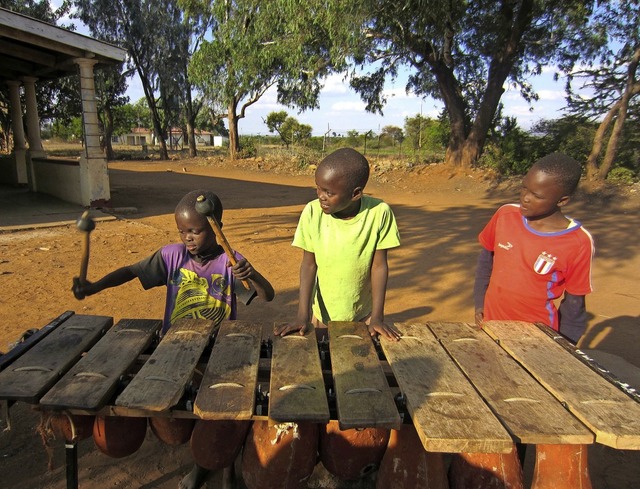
x=479 y=317
x=80 y=290
x=243 y=270
x=379 y=327
x=283 y=330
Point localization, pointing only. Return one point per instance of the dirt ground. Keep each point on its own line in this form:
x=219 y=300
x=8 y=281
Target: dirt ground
x=431 y=278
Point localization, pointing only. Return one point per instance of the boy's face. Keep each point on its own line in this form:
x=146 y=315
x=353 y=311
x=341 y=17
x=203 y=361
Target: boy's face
x=540 y=195
x=195 y=232
x=335 y=194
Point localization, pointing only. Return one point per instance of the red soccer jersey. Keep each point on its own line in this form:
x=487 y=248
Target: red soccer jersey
x=531 y=269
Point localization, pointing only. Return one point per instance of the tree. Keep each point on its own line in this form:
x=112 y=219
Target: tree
x=609 y=67
x=147 y=30
x=70 y=130
x=287 y=127
x=142 y=113
x=463 y=53
x=252 y=46
x=111 y=83
x=393 y=133
x=125 y=118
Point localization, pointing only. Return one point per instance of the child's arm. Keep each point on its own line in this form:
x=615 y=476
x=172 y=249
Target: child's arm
x=113 y=279
x=308 y=269
x=572 y=315
x=243 y=270
x=379 y=276
x=483 y=275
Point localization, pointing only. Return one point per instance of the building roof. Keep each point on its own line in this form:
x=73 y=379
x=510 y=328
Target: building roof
x=31 y=47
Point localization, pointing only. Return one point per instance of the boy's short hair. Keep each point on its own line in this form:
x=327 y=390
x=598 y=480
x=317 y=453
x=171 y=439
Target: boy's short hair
x=353 y=165
x=563 y=168
x=188 y=202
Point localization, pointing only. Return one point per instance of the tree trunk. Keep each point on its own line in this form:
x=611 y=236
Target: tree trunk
x=191 y=138
x=190 y=120
x=155 y=115
x=234 y=139
x=598 y=141
x=614 y=141
x=160 y=138
x=108 y=132
x=618 y=112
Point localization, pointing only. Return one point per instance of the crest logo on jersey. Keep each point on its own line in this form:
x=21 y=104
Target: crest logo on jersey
x=544 y=263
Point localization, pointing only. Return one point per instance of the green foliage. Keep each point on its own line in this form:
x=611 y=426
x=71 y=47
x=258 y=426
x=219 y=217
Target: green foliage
x=142 y=113
x=622 y=175
x=571 y=135
x=391 y=135
x=125 y=119
x=425 y=134
x=247 y=147
x=68 y=130
x=288 y=128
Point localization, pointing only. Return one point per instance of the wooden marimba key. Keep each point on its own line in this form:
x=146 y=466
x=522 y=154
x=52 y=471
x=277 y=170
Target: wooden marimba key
x=466 y=391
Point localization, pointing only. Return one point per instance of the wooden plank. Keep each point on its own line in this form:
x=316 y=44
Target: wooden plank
x=524 y=407
x=93 y=380
x=363 y=396
x=594 y=365
x=25 y=345
x=601 y=406
x=161 y=381
x=228 y=387
x=297 y=391
x=31 y=375
x=447 y=412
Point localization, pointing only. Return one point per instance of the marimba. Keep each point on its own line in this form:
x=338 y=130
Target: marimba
x=465 y=391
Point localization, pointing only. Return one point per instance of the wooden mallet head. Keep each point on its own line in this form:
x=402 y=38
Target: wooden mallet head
x=205 y=207
x=85 y=223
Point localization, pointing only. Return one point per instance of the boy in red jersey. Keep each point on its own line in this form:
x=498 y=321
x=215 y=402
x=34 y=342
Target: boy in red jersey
x=533 y=254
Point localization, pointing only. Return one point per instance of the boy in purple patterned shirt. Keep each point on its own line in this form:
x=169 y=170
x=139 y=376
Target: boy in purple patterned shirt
x=199 y=279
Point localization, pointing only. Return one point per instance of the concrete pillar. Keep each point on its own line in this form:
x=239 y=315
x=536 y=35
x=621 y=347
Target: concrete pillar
x=20 y=171
x=89 y=108
x=94 y=178
x=33 y=120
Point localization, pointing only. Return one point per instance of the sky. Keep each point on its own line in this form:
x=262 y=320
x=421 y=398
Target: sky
x=341 y=109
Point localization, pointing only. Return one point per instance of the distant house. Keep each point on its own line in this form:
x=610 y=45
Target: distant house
x=140 y=136
x=137 y=137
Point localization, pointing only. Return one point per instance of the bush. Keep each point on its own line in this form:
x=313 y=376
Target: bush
x=247 y=148
x=621 y=175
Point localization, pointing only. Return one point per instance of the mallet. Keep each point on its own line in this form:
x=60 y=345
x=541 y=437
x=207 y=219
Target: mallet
x=205 y=207
x=85 y=224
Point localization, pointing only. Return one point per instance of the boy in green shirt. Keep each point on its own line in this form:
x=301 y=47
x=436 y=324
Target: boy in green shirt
x=345 y=236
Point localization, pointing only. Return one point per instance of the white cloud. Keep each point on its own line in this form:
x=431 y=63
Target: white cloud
x=336 y=84
x=348 y=106
x=551 y=94
x=397 y=93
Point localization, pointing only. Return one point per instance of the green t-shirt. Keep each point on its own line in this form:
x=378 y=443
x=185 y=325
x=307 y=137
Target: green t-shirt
x=344 y=250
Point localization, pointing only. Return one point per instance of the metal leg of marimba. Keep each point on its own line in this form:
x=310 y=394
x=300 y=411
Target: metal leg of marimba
x=71 y=455
x=486 y=471
x=561 y=466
